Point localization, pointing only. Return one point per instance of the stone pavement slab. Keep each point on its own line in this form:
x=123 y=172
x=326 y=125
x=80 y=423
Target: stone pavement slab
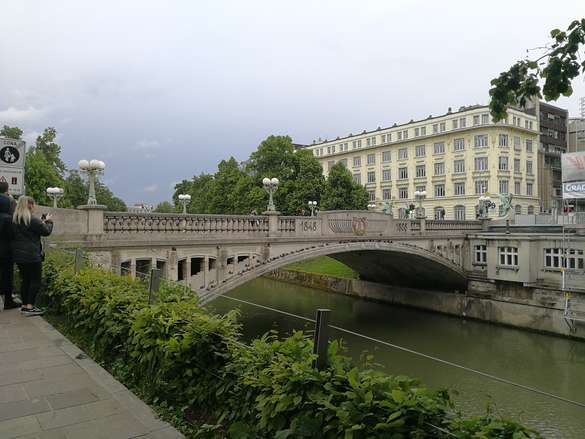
x=49 y=389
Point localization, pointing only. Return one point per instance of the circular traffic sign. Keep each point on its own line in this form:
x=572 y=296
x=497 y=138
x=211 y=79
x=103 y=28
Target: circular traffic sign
x=9 y=154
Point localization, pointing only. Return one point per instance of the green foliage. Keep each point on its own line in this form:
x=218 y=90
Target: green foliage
x=39 y=175
x=46 y=144
x=324 y=265
x=193 y=365
x=165 y=207
x=341 y=192
x=11 y=132
x=521 y=82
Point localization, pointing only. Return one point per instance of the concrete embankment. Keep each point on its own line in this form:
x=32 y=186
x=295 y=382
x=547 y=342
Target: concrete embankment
x=537 y=309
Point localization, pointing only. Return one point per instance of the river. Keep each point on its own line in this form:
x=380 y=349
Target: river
x=552 y=364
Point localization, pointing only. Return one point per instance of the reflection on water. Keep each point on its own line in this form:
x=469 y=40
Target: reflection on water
x=552 y=364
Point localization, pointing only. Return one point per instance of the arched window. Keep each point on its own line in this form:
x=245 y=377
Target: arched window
x=530 y=210
x=439 y=213
x=518 y=210
x=460 y=213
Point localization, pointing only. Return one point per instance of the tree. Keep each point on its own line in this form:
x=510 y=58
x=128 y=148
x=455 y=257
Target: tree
x=164 y=207
x=341 y=192
x=46 y=144
x=11 y=132
x=76 y=190
x=558 y=66
x=39 y=175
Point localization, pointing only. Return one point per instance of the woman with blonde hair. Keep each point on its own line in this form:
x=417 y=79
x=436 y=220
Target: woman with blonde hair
x=27 y=251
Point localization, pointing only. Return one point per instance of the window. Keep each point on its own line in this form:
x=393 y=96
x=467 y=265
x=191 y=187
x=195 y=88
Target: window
x=480 y=254
x=508 y=256
x=526 y=124
x=517 y=166
x=386 y=175
x=371 y=176
x=529 y=166
x=529 y=189
x=455 y=124
x=371 y=159
x=530 y=125
x=353 y=145
x=359 y=143
x=439 y=190
x=385 y=194
x=476 y=120
x=374 y=141
x=503 y=186
x=383 y=138
x=333 y=149
x=416 y=132
x=516 y=143
x=420 y=188
x=372 y=195
x=503 y=163
x=357 y=177
x=402 y=154
x=423 y=131
x=552 y=258
x=439 y=213
x=405 y=134
x=518 y=210
x=459 y=189
x=386 y=157
x=442 y=127
x=399 y=135
x=503 y=140
x=357 y=161
x=420 y=150
x=328 y=150
x=421 y=171
x=481 y=163
x=462 y=122
x=368 y=142
x=439 y=148
x=528 y=145
x=481 y=187
x=402 y=193
x=459 y=166
x=440 y=168
x=459 y=144
x=481 y=141
x=530 y=210
x=459 y=213
x=402 y=213
x=343 y=162
x=485 y=118
x=402 y=173
x=574 y=259
x=517 y=188
x=435 y=128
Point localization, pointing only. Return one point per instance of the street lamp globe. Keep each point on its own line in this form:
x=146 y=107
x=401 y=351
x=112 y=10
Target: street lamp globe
x=55 y=193
x=92 y=168
x=266 y=181
x=270 y=185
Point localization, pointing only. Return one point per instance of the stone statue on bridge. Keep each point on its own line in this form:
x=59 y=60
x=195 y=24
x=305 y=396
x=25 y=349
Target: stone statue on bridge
x=387 y=207
x=505 y=205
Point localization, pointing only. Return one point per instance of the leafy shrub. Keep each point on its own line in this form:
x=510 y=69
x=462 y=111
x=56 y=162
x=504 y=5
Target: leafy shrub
x=193 y=363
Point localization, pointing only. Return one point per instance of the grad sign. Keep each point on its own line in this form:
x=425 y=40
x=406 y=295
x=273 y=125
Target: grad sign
x=573 y=167
x=12 y=154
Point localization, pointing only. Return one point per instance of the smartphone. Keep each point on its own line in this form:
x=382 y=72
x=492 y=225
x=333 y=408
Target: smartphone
x=44 y=216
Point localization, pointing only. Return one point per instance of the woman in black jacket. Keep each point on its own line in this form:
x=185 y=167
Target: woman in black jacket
x=27 y=251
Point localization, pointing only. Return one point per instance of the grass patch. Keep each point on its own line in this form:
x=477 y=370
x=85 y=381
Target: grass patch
x=324 y=265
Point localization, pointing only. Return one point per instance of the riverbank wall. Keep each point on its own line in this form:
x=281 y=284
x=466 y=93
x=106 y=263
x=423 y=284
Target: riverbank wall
x=536 y=309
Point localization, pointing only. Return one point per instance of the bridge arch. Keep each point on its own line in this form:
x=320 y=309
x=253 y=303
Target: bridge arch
x=395 y=263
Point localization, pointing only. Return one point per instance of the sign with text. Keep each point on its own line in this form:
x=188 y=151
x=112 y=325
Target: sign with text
x=12 y=156
x=573 y=168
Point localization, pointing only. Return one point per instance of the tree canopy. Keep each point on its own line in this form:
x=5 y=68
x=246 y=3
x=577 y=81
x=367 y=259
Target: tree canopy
x=44 y=168
x=236 y=188
x=558 y=66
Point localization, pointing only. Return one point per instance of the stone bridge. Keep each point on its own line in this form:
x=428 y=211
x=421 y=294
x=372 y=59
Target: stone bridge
x=215 y=253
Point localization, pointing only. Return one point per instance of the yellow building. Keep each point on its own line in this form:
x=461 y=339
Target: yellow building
x=454 y=158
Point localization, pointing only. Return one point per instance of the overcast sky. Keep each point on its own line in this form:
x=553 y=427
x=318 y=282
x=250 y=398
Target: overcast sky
x=163 y=90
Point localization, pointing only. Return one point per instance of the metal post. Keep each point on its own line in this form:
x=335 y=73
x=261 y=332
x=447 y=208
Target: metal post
x=321 y=340
x=153 y=283
x=78 y=260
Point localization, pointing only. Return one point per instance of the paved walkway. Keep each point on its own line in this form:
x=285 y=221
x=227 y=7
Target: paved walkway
x=49 y=389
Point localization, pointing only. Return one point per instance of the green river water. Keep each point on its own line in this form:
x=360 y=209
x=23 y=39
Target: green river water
x=551 y=364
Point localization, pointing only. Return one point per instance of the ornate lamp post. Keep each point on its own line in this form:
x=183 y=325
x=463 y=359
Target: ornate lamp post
x=184 y=199
x=420 y=196
x=312 y=206
x=371 y=206
x=484 y=204
x=270 y=184
x=92 y=168
x=55 y=193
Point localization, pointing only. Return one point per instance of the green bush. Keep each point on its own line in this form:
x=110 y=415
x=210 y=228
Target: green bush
x=180 y=356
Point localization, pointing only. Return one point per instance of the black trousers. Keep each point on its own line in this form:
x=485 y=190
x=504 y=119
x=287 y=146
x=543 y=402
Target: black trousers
x=6 y=270
x=31 y=281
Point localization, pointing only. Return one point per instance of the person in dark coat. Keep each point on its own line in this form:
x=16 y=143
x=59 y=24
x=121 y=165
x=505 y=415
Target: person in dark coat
x=27 y=251
x=7 y=205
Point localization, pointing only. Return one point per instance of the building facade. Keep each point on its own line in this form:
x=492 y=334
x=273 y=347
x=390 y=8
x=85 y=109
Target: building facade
x=455 y=158
x=552 y=142
x=577 y=134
